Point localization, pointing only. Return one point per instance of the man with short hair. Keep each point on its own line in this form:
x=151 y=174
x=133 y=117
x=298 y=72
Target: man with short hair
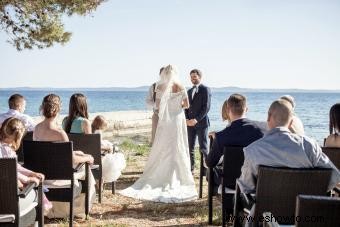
x=297 y=125
x=240 y=132
x=151 y=101
x=197 y=115
x=282 y=148
x=17 y=106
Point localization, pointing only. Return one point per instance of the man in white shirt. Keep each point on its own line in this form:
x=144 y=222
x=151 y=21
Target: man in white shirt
x=151 y=101
x=17 y=106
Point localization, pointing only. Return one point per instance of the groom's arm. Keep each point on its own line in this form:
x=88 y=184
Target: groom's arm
x=206 y=105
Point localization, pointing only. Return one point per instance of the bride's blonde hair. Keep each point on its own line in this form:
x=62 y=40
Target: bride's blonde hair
x=169 y=74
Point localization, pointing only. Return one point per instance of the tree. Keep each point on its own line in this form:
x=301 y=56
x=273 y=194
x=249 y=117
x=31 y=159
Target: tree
x=37 y=23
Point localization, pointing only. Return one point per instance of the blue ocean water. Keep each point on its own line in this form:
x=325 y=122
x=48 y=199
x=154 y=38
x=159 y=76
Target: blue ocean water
x=312 y=108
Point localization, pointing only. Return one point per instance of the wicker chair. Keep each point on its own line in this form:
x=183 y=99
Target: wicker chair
x=28 y=137
x=55 y=161
x=10 y=214
x=90 y=144
x=233 y=159
x=333 y=154
x=311 y=211
x=277 y=189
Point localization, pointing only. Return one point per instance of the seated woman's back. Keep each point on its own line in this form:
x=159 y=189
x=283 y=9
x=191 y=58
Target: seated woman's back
x=44 y=132
x=48 y=130
x=333 y=140
x=78 y=125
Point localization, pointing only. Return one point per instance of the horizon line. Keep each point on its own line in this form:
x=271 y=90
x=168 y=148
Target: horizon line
x=144 y=86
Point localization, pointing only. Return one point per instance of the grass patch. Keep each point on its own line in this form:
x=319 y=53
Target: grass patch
x=138 y=149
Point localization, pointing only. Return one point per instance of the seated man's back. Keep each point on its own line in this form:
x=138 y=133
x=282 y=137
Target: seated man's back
x=281 y=148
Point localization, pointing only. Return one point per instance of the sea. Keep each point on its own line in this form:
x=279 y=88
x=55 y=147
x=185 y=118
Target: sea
x=312 y=108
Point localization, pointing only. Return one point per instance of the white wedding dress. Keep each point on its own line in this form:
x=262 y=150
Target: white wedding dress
x=167 y=177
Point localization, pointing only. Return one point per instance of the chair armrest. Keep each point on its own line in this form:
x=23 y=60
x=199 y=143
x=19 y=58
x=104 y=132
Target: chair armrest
x=7 y=218
x=24 y=192
x=94 y=167
x=249 y=198
x=269 y=220
x=78 y=167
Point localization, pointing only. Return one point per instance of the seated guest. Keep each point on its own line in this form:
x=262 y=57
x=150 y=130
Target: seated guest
x=48 y=130
x=77 y=120
x=240 y=132
x=282 y=148
x=333 y=140
x=17 y=106
x=296 y=126
x=112 y=164
x=99 y=124
x=11 y=133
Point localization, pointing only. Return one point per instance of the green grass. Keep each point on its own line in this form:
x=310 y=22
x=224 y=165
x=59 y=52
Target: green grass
x=138 y=149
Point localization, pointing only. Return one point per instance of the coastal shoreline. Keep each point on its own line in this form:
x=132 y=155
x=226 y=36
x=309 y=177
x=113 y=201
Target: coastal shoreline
x=120 y=123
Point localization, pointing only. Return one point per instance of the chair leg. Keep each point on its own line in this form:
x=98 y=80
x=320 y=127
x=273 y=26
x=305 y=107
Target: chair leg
x=113 y=187
x=223 y=209
x=237 y=208
x=71 y=204
x=201 y=176
x=100 y=190
x=87 y=185
x=40 y=213
x=210 y=195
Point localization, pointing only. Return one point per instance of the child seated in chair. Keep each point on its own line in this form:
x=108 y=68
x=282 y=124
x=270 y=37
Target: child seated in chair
x=113 y=163
x=11 y=133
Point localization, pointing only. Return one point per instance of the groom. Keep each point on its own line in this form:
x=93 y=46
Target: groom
x=197 y=115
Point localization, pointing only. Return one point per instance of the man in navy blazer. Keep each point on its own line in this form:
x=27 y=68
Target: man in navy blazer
x=197 y=115
x=240 y=132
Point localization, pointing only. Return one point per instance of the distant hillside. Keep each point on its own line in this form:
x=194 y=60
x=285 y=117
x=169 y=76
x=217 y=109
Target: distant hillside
x=145 y=88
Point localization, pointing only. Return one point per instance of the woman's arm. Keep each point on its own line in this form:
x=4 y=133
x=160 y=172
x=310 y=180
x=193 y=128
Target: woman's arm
x=77 y=158
x=86 y=125
x=185 y=103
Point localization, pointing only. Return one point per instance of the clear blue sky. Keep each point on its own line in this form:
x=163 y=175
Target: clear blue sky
x=255 y=44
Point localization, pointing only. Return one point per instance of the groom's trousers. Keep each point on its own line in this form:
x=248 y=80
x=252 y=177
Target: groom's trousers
x=202 y=134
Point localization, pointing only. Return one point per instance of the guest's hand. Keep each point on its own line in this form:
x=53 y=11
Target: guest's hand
x=20 y=185
x=90 y=159
x=40 y=176
x=34 y=180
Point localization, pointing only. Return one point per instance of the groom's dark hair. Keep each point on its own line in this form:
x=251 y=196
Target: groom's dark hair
x=197 y=71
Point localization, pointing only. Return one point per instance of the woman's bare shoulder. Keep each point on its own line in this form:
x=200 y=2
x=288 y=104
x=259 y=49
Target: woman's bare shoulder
x=332 y=141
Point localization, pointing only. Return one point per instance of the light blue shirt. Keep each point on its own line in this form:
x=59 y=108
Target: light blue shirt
x=281 y=148
x=76 y=126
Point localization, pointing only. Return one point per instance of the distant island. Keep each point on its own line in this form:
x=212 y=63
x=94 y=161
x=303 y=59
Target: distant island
x=145 y=88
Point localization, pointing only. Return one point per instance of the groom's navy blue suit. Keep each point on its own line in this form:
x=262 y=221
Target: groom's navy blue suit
x=199 y=108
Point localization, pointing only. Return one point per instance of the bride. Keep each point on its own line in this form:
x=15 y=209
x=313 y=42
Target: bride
x=167 y=177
